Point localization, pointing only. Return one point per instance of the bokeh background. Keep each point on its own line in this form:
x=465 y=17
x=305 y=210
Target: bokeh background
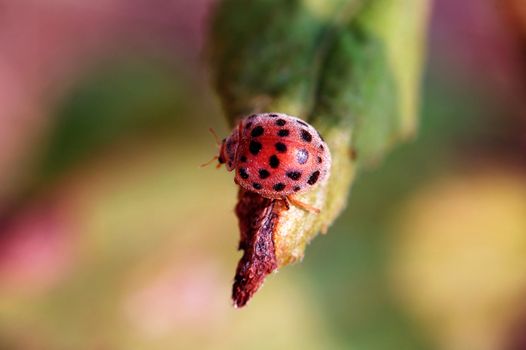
x=113 y=237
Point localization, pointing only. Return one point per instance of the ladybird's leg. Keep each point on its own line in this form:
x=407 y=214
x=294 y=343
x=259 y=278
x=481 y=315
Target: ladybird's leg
x=304 y=206
x=210 y=162
x=286 y=202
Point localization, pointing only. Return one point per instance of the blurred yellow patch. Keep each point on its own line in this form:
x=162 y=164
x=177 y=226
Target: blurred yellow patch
x=459 y=257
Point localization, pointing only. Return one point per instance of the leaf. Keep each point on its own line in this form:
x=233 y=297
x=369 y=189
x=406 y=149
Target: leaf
x=351 y=68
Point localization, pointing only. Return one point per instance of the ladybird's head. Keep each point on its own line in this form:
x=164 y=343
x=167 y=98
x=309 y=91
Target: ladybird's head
x=228 y=151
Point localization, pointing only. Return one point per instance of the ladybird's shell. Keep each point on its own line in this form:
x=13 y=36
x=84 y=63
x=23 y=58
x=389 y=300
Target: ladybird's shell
x=279 y=155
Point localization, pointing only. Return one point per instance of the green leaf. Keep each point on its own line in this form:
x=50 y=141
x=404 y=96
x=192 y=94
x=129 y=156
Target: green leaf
x=351 y=68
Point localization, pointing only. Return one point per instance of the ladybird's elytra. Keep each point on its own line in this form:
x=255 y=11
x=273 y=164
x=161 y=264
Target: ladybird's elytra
x=276 y=155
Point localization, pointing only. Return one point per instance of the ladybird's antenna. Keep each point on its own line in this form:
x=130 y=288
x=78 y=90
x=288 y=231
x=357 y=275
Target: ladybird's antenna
x=210 y=162
x=213 y=132
x=218 y=142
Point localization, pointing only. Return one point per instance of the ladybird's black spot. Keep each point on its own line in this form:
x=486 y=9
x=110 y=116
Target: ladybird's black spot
x=294 y=175
x=243 y=159
x=319 y=160
x=273 y=161
x=221 y=160
x=243 y=173
x=302 y=155
x=281 y=147
x=281 y=122
x=273 y=115
x=296 y=189
x=302 y=122
x=313 y=177
x=321 y=147
x=248 y=125
x=321 y=137
x=257 y=131
x=263 y=173
x=254 y=147
x=257 y=186
x=279 y=186
x=283 y=132
x=306 y=136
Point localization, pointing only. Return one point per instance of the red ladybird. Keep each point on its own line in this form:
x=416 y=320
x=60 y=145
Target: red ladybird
x=276 y=156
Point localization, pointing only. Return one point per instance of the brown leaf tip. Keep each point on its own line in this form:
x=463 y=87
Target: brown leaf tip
x=258 y=218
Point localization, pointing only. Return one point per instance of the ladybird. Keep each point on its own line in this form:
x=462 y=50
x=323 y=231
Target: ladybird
x=276 y=156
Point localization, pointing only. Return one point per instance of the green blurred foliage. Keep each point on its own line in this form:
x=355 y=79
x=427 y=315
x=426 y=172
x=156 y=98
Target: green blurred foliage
x=353 y=283
x=121 y=98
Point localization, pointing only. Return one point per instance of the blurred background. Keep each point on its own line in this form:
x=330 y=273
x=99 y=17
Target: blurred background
x=112 y=237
